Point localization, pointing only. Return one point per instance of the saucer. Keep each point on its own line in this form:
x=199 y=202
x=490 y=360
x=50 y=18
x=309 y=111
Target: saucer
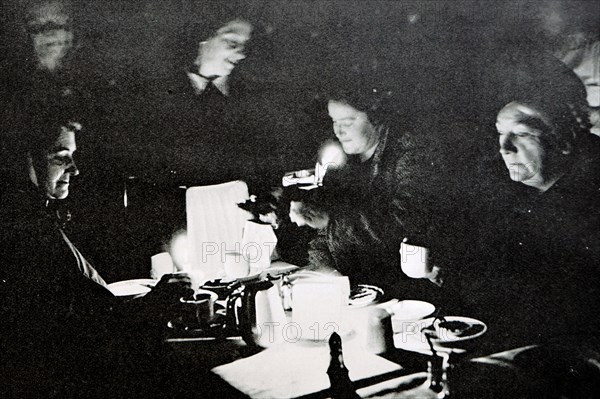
x=131 y=288
x=214 y=329
x=452 y=329
x=451 y=333
x=363 y=295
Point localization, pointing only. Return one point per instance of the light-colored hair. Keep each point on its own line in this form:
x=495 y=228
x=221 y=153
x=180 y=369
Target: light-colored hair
x=567 y=122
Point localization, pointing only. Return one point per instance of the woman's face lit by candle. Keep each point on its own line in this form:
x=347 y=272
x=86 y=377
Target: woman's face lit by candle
x=353 y=129
x=332 y=155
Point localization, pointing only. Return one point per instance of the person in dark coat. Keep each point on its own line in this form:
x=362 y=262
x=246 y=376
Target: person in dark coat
x=191 y=110
x=383 y=193
x=531 y=271
x=64 y=334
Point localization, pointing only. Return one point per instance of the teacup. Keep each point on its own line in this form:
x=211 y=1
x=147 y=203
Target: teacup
x=407 y=314
x=197 y=311
x=220 y=286
x=414 y=260
x=372 y=328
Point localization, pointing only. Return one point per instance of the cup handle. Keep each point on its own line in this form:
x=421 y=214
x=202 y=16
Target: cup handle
x=231 y=316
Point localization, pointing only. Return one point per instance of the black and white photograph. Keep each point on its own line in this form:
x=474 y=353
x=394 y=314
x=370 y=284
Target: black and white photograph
x=300 y=199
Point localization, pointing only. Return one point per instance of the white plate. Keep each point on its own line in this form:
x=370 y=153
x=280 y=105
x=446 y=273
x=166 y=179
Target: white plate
x=408 y=311
x=134 y=287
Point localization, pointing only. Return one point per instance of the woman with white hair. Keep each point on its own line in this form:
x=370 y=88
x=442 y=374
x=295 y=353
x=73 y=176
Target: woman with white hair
x=532 y=270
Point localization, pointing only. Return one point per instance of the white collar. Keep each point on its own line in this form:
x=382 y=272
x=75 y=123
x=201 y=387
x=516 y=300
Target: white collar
x=199 y=83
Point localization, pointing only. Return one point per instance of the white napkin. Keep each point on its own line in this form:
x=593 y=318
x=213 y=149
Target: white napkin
x=294 y=369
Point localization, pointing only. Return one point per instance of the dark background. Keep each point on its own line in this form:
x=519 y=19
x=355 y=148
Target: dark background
x=436 y=56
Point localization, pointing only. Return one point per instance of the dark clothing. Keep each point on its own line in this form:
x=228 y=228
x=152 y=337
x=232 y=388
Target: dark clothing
x=196 y=132
x=532 y=272
x=38 y=257
x=372 y=206
x=256 y=133
x=63 y=333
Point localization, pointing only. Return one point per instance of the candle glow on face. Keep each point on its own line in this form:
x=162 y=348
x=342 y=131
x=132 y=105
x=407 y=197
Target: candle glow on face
x=332 y=156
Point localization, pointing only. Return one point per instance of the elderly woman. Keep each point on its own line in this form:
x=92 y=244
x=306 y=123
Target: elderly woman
x=533 y=272
x=60 y=322
x=380 y=195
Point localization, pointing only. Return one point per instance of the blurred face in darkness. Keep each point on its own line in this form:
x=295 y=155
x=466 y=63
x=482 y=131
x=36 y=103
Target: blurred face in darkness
x=551 y=18
x=528 y=146
x=51 y=47
x=220 y=54
x=52 y=170
x=49 y=34
x=352 y=128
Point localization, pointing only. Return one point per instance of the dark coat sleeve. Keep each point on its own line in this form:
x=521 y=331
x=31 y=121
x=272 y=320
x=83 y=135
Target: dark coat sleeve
x=366 y=226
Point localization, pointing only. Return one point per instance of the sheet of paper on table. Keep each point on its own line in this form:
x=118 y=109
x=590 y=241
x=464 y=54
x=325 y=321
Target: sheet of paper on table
x=294 y=369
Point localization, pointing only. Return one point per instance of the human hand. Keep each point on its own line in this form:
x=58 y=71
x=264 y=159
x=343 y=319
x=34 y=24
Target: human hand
x=263 y=209
x=171 y=287
x=436 y=276
x=303 y=214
